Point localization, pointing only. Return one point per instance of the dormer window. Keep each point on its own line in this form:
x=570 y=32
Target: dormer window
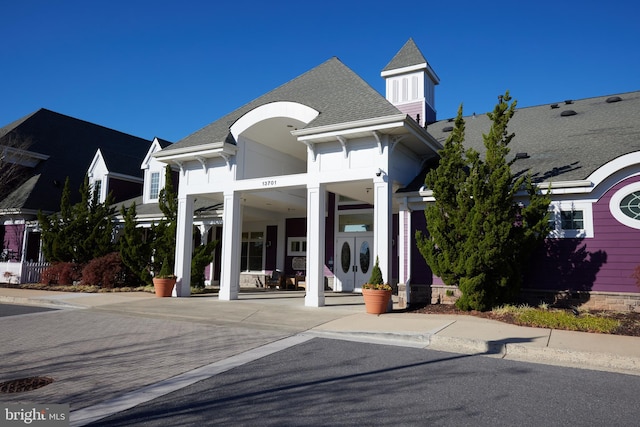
x=154 y=188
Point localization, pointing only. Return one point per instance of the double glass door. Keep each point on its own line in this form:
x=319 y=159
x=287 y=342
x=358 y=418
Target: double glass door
x=354 y=261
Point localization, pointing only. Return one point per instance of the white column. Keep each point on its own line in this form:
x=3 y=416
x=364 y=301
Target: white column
x=184 y=246
x=404 y=247
x=204 y=239
x=25 y=235
x=404 y=243
x=316 y=206
x=382 y=225
x=231 y=245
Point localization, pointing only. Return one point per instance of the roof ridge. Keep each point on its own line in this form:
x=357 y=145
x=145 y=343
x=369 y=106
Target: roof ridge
x=408 y=55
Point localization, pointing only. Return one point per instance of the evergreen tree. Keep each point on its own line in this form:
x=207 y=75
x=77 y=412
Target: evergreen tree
x=165 y=231
x=480 y=238
x=202 y=256
x=446 y=219
x=135 y=249
x=92 y=226
x=80 y=232
x=376 y=275
x=54 y=245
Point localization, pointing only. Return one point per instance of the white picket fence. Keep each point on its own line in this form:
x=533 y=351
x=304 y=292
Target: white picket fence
x=21 y=272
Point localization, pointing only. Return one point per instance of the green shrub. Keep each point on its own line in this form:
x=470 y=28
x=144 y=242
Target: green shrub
x=202 y=256
x=557 y=319
x=376 y=275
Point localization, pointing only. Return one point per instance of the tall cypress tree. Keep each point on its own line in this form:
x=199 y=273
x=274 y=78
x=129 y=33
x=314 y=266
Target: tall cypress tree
x=445 y=218
x=480 y=238
x=92 y=226
x=57 y=243
x=165 y=231
x=135 y=249
x=80 y=232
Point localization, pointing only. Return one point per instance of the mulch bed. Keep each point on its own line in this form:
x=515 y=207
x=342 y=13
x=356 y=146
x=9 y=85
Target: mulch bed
x=629 y=322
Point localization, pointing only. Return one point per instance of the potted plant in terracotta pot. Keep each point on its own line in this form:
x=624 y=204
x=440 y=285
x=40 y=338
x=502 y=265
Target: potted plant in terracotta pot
x=164 y=281
x=376 y=293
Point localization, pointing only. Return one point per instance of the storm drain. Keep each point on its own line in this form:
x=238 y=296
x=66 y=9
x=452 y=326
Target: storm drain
x=24 y=384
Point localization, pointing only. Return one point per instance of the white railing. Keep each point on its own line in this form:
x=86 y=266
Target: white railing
x=21 y=272
x=31 y=271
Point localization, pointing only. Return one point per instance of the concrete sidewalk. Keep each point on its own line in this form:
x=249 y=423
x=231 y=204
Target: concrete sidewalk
x=344 y=317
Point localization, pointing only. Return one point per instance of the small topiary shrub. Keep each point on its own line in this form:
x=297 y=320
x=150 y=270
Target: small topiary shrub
x=106 y=272
x=376 y=281
x=376 y=275
x=61 y=273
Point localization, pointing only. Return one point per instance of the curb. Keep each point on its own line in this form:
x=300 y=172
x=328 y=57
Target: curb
x=467 y=346
x=542 y=355
x=44 y=302
x=574 y=359
x=385 y=338
x=509 y=351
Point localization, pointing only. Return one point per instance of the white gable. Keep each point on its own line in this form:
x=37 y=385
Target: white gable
x=98 y=175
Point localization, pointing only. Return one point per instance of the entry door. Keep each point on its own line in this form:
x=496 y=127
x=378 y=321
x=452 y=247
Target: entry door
x=353 y=254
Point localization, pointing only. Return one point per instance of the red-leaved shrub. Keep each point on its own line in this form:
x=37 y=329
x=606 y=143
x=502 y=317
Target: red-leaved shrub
x=60 y=273
x=106 y=272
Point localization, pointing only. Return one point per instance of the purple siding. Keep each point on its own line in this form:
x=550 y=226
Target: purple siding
x=420 y=272
x=294 y=227
x=603 y=263
x=12 y=241
x=395 y=266
x=271 y=250
x=218 y=255
x=329 y=231
x=413 y=110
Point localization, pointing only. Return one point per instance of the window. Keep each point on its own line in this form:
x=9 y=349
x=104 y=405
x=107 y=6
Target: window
x=297 y=246
x=97 y=188
x=355 y=222
x=625 y=205
x=154 y=189
x=572 y=220
x=630 y=205
x=251 y=257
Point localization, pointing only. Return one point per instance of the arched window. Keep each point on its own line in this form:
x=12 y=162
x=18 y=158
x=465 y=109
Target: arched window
x=625 y=205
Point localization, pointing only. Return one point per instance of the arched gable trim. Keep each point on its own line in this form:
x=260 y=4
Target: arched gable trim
x=289 y=109
x=614 y=166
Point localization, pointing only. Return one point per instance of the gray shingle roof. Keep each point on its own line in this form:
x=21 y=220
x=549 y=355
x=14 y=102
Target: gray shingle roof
x=151 y=211
x=70 y=144
x=331 y=88
x=407 y=56
x=563 y=148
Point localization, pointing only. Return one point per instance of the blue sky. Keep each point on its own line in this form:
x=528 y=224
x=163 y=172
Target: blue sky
x=168 y=68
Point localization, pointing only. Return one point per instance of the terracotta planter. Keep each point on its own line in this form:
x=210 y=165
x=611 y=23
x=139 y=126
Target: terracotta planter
x=376 y=301
x=163 y=287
